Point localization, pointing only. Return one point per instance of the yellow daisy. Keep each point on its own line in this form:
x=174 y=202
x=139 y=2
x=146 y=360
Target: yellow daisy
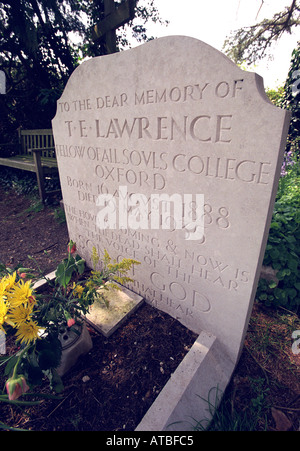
x=2 y=288
x=9 y=281
x=20 y=314
x=27 y=332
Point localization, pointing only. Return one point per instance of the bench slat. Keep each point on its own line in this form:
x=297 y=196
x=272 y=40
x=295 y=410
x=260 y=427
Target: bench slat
x=27 y=163
x=36 y=154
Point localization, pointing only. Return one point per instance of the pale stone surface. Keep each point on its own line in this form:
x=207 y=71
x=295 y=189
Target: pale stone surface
x=175 y=116
x=200 y=379
x=121 y=304
x=40 y=283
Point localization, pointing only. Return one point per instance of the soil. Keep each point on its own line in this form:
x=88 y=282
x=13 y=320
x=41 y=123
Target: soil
x=112 y=387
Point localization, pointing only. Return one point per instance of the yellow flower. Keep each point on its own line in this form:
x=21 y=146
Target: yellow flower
x=20 y=293
x=20 y=314
x=7 y=283
x=3 y=312
x=27 y=332
x=10 y=281
x=2 y=288
x=78 y=289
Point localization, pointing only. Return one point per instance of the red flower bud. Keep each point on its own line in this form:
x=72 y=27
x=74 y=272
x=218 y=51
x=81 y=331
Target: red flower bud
x=72 y=247
x=15 y=387
x=71 y=322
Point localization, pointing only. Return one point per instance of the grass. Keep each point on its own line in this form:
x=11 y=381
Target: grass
x=267 y=377
x=59 y=215
x=228 y=418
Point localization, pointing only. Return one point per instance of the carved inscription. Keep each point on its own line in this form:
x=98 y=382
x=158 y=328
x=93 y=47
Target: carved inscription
x=172 y=274
x=170 y=154
x=119 y=140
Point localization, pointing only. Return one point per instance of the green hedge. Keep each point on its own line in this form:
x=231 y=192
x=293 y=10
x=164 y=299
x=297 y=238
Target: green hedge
x=283 y=246
x=24 y=182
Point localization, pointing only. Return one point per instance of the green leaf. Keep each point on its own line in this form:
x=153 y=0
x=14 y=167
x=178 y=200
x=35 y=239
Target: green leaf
x=276 y=266
x=279 y=294
x=292 y=293
x=280 y=274
x=49 y=352
x=55 y=381
x=17 y=402
x=275 y=225
x=80 y=264
x=63 y=274
x=290 y=239
x=293 y=264
x=272 y=284
x=274 y=253
x=9 y=428
x=263 y=297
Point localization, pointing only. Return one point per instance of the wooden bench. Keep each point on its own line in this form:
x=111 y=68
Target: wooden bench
x=35 y=153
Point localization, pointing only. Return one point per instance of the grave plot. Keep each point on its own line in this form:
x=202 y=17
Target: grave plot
x=170 y=154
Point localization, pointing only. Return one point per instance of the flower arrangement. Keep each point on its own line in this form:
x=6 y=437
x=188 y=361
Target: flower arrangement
x=16 y=307
x=36 y=319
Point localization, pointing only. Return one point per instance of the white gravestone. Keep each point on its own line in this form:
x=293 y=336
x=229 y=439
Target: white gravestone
x=174 y=117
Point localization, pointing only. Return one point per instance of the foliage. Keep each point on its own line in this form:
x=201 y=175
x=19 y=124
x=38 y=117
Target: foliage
x=266 y=376
x=41 y=43
x=69 y=266
x=291 y=101
x=145 y=10
x=10 y=178
x=111 y=272
x=223 y=417
x=282 y=250
x=60 y=215
x=109 y=275
x=24 y=182
x=251 y=43
x=276 y=95
x=283 y=246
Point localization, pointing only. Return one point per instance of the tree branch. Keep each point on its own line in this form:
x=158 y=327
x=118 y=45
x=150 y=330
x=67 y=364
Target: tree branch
x=251 y=43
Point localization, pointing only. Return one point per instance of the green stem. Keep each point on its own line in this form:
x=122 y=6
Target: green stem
x=4 y=398
x=18 y=361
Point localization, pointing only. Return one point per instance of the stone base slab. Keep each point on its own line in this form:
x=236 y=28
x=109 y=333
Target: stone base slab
x=202 y=376
x=122 y=304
